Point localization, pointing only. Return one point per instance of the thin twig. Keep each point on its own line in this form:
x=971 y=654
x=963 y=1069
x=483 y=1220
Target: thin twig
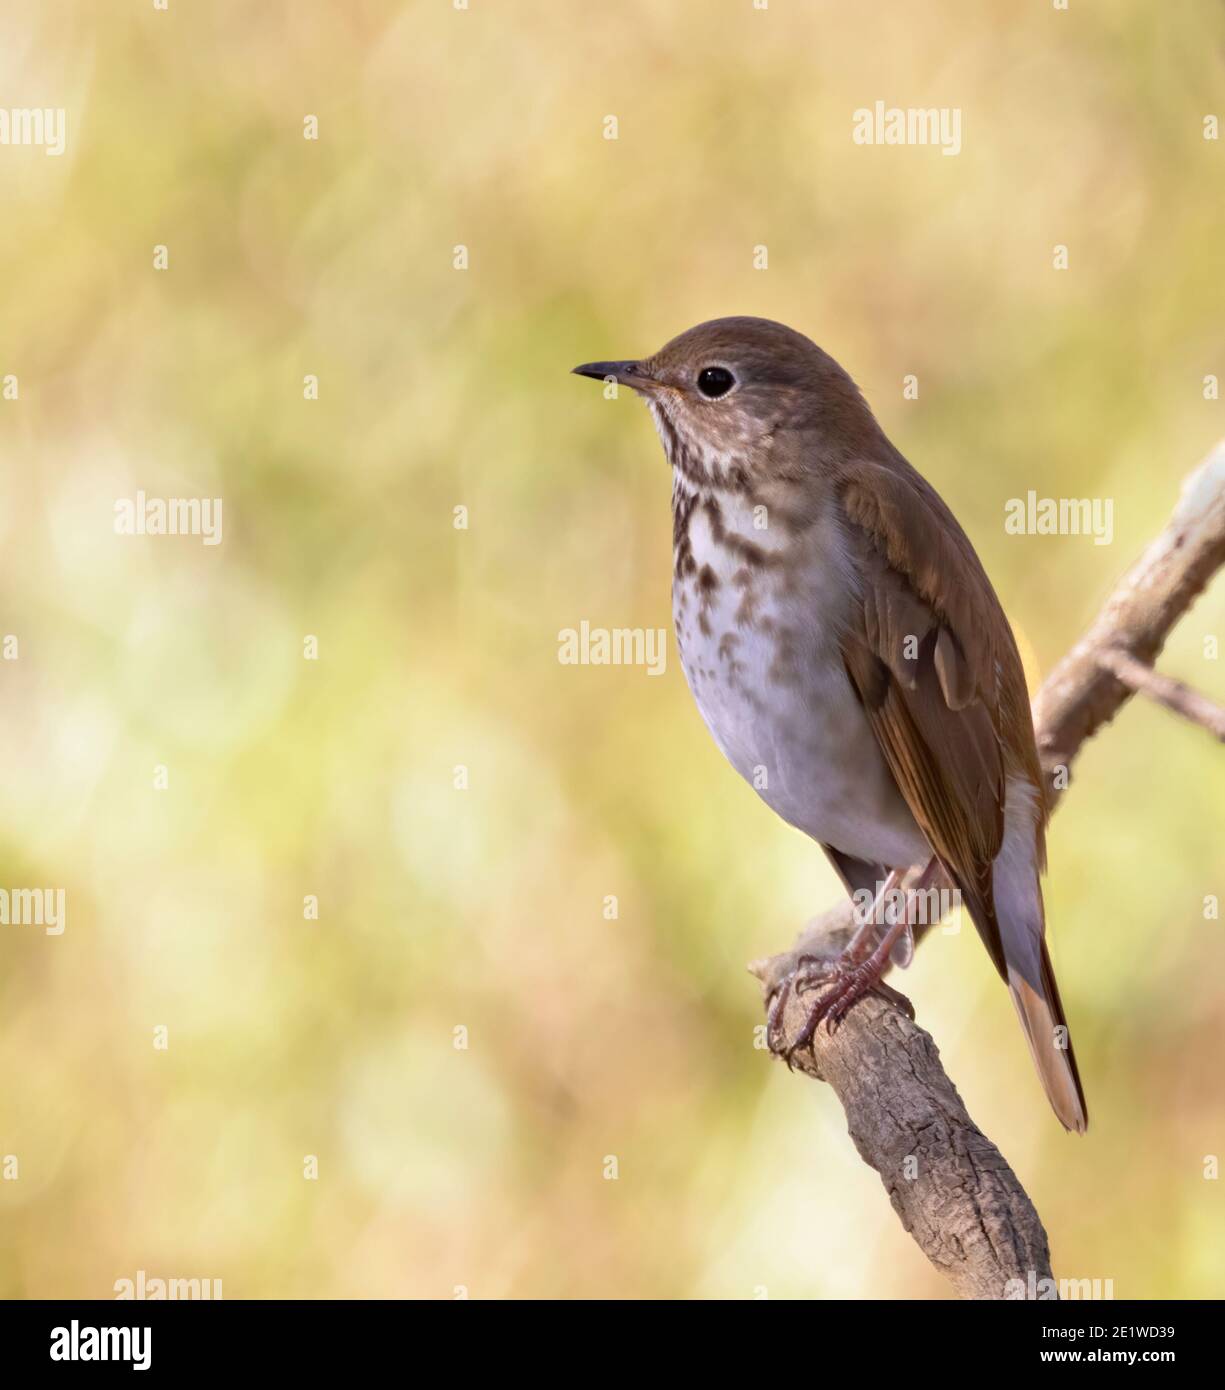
x=1174 y=695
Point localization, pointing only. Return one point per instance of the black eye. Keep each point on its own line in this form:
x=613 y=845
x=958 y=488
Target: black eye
x=715 y=381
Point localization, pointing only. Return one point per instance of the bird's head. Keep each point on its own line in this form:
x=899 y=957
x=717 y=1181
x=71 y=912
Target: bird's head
x=724 y=392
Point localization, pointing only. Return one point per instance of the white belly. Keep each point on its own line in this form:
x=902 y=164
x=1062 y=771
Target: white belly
x=765 y=670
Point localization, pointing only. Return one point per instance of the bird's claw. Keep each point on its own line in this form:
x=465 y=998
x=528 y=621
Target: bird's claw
x=849 y=981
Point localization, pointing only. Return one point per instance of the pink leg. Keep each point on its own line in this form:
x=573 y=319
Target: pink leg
x=855 y=972
x=859 y=945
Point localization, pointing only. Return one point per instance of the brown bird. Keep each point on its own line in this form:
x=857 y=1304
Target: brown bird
x=851 y=659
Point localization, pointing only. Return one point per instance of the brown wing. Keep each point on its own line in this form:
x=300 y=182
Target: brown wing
x=925 y=652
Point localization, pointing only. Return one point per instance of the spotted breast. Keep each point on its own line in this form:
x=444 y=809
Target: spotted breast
x=758 y=605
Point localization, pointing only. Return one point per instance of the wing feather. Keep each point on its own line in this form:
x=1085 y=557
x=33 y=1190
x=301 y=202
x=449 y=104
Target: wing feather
x=923 y=652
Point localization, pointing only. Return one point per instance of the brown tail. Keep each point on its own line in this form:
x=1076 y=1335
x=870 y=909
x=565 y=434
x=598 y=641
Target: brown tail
x=1050 y=1045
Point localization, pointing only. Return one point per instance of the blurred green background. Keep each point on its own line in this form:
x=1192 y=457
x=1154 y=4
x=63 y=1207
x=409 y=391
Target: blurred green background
x=483 y=909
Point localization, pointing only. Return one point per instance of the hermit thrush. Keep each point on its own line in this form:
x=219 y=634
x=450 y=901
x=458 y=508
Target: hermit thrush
x=849 y=655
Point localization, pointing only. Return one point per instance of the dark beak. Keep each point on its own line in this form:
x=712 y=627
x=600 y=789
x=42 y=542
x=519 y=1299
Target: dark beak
x=623 y=373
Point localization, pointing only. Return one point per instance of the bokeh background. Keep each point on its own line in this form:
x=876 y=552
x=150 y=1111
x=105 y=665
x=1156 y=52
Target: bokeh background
x=483 y=908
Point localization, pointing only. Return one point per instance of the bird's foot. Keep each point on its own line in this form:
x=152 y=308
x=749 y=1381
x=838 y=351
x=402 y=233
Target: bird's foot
x=843 y=980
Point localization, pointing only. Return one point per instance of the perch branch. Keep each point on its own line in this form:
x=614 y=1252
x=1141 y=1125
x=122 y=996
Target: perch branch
x=951 y=1187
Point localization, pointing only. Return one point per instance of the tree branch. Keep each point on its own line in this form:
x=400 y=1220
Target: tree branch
x=951 y=1187
x=1079 y=696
